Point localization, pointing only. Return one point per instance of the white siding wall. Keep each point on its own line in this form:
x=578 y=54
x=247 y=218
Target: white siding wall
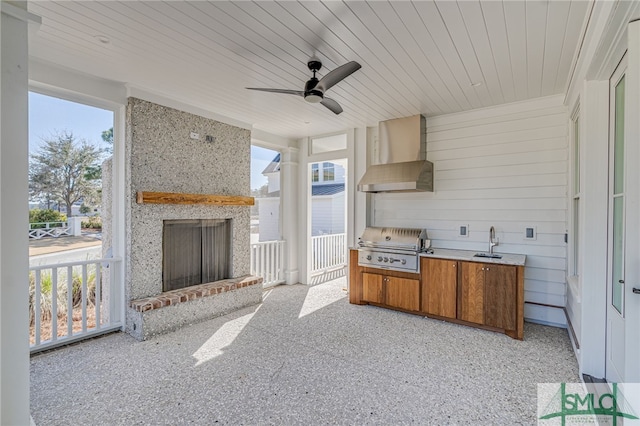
x=328 y=214
x=269 y=218
x=504 y=167
x=321 y=222
x=273 y=180
x=338 y=214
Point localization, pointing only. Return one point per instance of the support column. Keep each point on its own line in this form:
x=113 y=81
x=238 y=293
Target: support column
x=14 y=249
x=594 y=131
x=289 y=216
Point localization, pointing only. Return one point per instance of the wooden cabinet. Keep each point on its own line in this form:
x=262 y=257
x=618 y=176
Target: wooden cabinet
x=500 y=296
x=481 y=294
x=402 y=293
x=488 y=294
x=439 y=286
x=471 y=294
x=372 y=288
x=395 y=292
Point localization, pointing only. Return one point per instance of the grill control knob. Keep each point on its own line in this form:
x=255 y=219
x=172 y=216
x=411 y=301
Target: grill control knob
x=391 y=260
x=379 y=258
x=386 y=259
x=403 y=261
x=368 y=257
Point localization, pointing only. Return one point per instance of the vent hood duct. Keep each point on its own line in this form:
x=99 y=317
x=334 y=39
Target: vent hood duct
x=402 y=147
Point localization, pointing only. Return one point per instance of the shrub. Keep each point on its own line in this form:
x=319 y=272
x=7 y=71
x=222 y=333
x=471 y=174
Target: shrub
x=46 y=215
x=93 y=222
x=46 y=284
x=84 y=209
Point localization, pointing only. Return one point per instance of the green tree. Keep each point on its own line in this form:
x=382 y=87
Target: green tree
x=64 y=170
x=107 y=137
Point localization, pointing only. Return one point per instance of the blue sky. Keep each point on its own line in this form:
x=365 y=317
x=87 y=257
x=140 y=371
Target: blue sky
x=49 y=115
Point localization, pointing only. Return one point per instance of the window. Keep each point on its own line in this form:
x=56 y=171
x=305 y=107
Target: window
x=328 y=143
x=315 y=172
x=574 y=257
x=328 y=172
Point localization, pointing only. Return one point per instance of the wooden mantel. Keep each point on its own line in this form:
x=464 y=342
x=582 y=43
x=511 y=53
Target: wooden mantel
x=145 y=197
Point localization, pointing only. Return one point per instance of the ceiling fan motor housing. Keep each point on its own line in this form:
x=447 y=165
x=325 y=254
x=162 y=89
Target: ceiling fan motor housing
x=311 y=94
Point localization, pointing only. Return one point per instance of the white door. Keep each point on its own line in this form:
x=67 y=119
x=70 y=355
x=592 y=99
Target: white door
x=615 y=358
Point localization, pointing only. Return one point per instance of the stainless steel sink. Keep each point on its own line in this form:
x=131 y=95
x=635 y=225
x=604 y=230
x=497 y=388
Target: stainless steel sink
x=489 y=255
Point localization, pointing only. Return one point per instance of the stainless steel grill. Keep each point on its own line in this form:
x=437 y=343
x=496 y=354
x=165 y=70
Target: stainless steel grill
x=392 y=248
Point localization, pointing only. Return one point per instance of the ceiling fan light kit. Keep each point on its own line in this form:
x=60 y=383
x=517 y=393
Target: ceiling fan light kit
x=315 y=89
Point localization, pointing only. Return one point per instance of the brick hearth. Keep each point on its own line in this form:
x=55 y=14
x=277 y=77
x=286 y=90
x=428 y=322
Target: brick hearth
x=174 y=297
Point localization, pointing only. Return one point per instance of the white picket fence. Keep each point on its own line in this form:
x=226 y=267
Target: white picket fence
x=50 y=229
x=73 y=301
x=267 y=261
x=328 y=252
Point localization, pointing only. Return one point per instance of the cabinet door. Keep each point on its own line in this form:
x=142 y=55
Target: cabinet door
x=500 y=296
x=471 y=294
x=372 y=287
x=403 y=293
x=439 y=287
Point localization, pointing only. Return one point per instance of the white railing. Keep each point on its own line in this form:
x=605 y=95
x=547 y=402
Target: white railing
x=73 y=301
x=328 y=252
x=50 y=229
x=267 y=261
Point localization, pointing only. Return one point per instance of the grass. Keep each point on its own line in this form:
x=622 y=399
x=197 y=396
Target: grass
x=45 y=308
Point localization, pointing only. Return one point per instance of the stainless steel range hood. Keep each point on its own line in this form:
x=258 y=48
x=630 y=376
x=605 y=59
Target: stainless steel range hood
x=402 y=147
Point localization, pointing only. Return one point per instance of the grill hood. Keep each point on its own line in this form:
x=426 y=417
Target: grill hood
x=402 y=147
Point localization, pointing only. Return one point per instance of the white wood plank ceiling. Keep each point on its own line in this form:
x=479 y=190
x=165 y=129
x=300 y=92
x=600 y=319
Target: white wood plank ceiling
x=430 y=57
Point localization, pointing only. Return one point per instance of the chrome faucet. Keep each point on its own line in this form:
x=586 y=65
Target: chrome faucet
x=493 y=241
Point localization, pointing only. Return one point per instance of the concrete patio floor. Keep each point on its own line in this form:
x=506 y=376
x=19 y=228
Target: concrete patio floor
x=304 y=356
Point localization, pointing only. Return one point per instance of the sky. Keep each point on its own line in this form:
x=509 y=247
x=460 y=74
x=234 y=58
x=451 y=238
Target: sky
x=49 y=115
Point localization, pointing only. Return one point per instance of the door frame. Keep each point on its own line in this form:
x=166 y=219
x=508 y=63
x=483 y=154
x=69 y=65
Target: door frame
x=304 y=177
x=632 y=208
x=592 y=93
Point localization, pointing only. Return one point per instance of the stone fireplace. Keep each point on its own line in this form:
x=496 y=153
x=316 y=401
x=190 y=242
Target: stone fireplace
x=161 y=155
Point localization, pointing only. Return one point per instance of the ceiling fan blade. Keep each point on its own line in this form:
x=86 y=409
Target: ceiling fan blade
x=332 y=105
x=285 y=91
x=337 y=75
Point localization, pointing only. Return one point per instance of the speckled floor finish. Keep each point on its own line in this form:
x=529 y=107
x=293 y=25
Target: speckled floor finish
x=304 y=356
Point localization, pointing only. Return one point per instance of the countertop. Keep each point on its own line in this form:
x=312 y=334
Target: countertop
x=467 y=255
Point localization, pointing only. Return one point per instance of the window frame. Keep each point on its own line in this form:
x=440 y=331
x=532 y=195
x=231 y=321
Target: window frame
x=574 y=264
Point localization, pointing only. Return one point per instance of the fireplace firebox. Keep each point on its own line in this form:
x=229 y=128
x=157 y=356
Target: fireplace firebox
x=195 y=251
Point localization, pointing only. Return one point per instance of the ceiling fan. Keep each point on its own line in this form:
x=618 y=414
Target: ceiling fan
x=315 y=89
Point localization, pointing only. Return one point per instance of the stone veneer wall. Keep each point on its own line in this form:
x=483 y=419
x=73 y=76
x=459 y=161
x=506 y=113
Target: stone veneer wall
x=161 y=156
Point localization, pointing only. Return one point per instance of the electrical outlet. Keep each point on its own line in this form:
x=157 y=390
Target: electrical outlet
x=463 y=231
x=194 y=135
x=530 y=233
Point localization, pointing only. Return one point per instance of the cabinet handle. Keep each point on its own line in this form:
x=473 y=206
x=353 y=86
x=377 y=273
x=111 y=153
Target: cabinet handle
x=487 y=269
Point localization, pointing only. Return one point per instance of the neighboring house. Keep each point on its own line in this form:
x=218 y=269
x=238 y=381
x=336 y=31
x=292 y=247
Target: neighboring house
x=327 y=200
